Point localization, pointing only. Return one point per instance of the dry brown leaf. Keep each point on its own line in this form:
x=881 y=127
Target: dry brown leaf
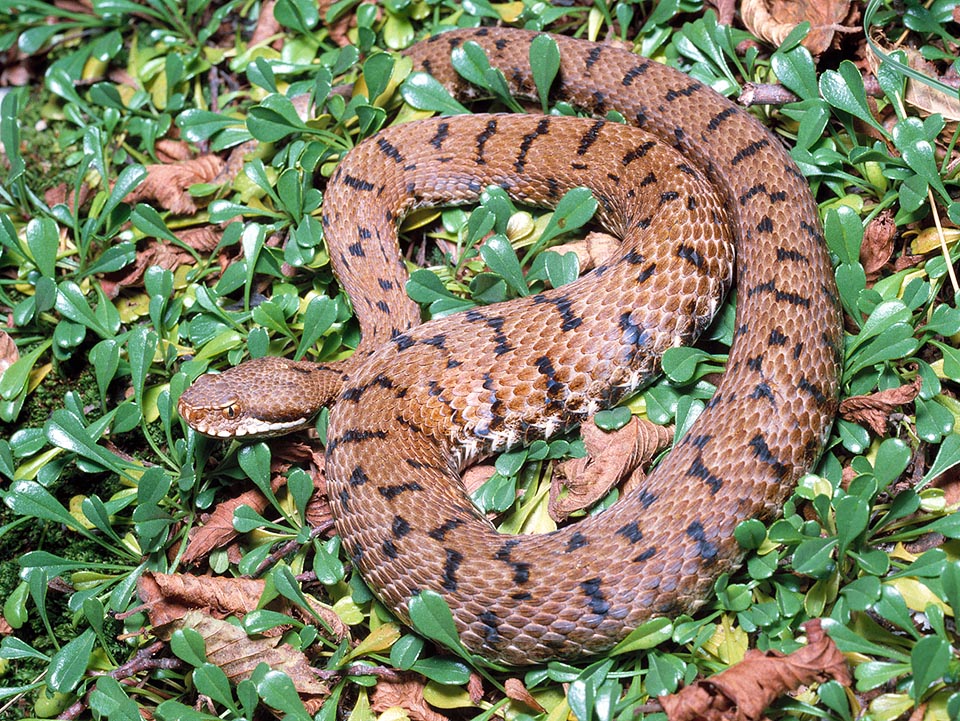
x=518 y=692
x=406 y=694
x=877 y=246
x=592 y=250
x=169 y=597
x=773 y=20
x=217 y=530
x=168 y=184
x=744 y=690
x=475 y=687
x=875 y=408
x=726 y=10
x=475 y=476
x=267 y=25
x=203 y=238
x=9 y=354
x=153 y=253
x=237 y=655
x=169 y=150
x=63 y=193
x=926 y=98
x=610 y=457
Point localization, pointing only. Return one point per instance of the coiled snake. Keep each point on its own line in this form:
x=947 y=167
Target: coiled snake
x=419 y=401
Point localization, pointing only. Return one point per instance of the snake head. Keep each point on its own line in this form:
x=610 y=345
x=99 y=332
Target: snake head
x=259 y=398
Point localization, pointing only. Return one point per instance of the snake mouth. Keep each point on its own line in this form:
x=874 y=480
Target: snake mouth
x=213 y=423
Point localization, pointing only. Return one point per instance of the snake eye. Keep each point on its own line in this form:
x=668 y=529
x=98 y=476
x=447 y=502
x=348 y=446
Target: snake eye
x=230 y=412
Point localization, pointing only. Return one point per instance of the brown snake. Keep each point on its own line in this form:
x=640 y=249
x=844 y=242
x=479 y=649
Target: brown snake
x=417 y=402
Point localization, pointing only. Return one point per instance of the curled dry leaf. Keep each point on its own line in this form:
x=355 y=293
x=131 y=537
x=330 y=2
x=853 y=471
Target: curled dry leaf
x=168 y=184
x=169 y=597
x=875 y=408
x=267 y=25
x=928 y=99
x=238 y=655
x=610 y=457
x=9 y=354
x=406 y=694
x=63 y=193
x=773 y=20
x=172 y=151
x=877 y=246
x=592 y=250
x=218 y=531
x=518 y=692
x=744 y=690
x=153 y=253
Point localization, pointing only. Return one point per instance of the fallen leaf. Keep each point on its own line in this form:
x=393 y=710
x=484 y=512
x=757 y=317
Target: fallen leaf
x=877 y=246
x=610 y=458
x=9 y=353
x=874 y=408
x=773 y=20
x=218 y=531
x=267 y=25
x=152 y=253
x=592 y=250
x=518 y=692
x=168 y=184
x=406 y=694
x=230 y=648
x=169 y=597
x=743 y=691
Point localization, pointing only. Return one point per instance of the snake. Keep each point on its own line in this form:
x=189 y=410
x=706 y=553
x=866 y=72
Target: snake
x=697 y=190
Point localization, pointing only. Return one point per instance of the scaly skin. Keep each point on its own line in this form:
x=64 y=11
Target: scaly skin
x=420 y=401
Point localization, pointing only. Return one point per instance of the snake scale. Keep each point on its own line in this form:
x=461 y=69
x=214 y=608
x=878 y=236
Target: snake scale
x=417 y=402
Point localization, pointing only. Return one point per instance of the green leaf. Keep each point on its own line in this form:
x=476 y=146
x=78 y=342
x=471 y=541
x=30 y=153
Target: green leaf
x=795 y=69
x=29 y=498
x=853 y=514
x=850 y=641
x=188 y=645
x=376 y=72
x=560 y=268
x=544 y=63
x=405 y=652
x=148 y=221
x=646 y=635
x=912 y=140
x=69 y=664
x=431 y=617
x=750 y=534
x=211 y=681
x=928 y=659
x=200 y=125
x=843 y=89
x=277 y=690
x=423 y=92
x=43 y=239
x=574 y=210
x=141 y=349
x=274 y=119
x=443 y=670
x=814 y=557
x=502 y=259
x=10 y=129
x=613 y=419
x=110 y=701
